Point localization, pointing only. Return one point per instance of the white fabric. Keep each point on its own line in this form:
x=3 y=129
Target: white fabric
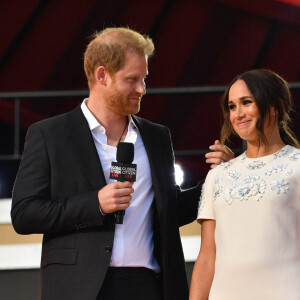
x=256 y=205
x=133 y=240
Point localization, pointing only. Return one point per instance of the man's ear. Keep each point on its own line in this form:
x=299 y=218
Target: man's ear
x=101 y=75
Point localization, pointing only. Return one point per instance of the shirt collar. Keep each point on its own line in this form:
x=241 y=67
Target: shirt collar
x=93 y=123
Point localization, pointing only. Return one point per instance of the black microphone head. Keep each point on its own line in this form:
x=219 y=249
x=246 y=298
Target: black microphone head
x=125 y=153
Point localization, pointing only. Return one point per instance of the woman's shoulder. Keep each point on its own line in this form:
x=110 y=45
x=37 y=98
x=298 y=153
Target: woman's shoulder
x=222 y=169
x=293 y=153
x=289 y=155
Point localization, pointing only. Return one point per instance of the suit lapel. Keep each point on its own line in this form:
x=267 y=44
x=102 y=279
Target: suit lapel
x=85 y=147
x=152 y=143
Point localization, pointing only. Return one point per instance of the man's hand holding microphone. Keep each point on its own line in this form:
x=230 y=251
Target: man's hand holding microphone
x=116 y=197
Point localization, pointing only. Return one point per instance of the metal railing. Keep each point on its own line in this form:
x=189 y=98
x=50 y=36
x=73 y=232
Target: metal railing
x=17 y=97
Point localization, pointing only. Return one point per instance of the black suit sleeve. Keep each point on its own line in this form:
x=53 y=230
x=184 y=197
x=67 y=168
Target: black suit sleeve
x=186 y=200
x=188 y=204
x=33 y=208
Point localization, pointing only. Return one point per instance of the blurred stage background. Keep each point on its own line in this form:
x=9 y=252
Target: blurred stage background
x=201 y=46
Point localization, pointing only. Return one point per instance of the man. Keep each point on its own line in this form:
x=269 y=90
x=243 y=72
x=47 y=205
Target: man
x=63 y=188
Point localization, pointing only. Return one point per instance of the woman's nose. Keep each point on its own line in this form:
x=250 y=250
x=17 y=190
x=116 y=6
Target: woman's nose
x=239 y=111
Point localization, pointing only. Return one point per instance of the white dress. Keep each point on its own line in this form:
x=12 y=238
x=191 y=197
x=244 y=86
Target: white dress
x=256 y=205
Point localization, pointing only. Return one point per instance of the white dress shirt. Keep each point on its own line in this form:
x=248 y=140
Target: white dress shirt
x=133 y=240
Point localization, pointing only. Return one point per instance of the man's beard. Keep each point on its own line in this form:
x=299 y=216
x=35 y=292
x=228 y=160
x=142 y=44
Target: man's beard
x=120 y=103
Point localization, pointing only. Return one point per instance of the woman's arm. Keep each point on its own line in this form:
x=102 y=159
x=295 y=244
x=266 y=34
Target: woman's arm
x=204 y=268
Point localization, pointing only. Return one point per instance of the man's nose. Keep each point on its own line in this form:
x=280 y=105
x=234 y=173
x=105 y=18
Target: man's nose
x=141 y=88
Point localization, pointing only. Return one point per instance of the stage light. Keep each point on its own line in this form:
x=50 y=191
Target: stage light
x=179 y=175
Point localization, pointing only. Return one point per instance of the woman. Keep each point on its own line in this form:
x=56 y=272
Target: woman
x=250 y=206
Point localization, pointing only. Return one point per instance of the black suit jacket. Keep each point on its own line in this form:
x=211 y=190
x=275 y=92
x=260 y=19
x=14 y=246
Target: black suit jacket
x=56 y=193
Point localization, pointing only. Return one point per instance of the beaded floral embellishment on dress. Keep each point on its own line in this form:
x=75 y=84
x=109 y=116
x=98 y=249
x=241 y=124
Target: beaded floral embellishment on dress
x=258 y=189
x=250 y=178
x=243 y=179
x=242 y=156
x=217 y=192
x=227 y=164
x=294 y=157
x=252 y=186
x=282 y=152
x=280 y=186
x=230 y=194
x=244 y=191
x=256 y=164
x=217 y=180
x=234 y=175
x=275 y=169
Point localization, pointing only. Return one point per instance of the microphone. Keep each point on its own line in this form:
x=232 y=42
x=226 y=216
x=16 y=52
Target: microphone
x=123 y=170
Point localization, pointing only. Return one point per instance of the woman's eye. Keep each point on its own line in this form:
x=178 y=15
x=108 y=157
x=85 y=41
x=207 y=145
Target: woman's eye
x=245 y=102
x=231 y=106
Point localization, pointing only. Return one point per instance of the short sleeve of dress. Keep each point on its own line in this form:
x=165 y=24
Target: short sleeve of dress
x=205 y=208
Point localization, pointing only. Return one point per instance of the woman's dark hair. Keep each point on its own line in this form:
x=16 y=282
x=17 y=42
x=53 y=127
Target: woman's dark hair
x=268 y=89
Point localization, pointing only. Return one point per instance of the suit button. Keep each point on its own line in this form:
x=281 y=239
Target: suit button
x=108 y=249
